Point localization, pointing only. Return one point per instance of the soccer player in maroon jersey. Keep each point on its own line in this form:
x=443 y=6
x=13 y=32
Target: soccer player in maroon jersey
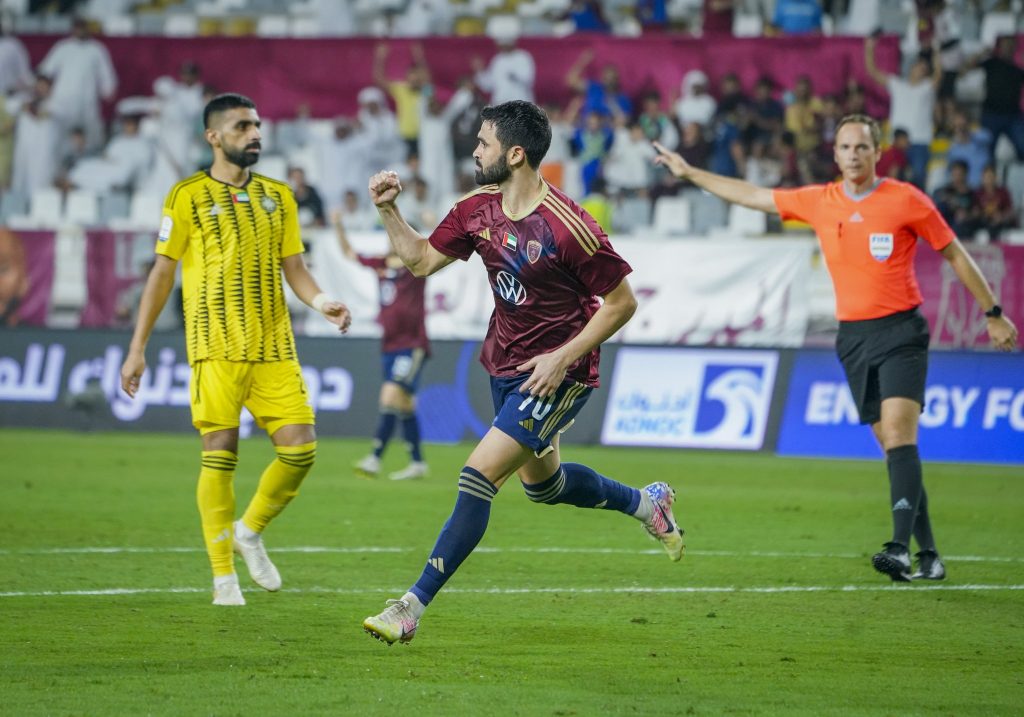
x=405 y=348
x=548 y=261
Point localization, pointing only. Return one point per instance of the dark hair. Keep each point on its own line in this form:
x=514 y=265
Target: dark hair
x=224 y=102
x=520 y=124
x=873 y=128
x=900 y=133
x=959 y=163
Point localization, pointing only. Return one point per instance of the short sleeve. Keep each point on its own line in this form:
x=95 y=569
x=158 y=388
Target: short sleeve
x=176 y=225
x=292 y=242
x=451 y=238
x=588 y=253
x=799 y=204
x=927 y=221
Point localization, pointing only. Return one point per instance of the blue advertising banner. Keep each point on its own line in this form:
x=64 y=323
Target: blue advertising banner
x=974 y=410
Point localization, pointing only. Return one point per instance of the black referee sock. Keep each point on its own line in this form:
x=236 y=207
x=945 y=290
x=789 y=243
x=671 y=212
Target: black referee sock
x=923 y=525
x=905 y=489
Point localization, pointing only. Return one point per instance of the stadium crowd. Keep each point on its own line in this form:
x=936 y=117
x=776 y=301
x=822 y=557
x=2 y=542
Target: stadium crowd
x=957 y=95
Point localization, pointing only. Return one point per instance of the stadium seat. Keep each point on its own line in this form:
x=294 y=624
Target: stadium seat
x=119 y=25
x=144 y=213
x=304 y=27
x=70 y=289
x=747 y=25
x=707 y=212
x=272 y=26
x=672 y=216
x=181 y=25
x=274 y=166
x=12 y=204
x=996 y=24
x=45 y=210
x=81 y=207
x=744 y=221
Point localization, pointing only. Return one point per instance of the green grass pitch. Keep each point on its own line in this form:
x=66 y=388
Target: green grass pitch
x=105 y=604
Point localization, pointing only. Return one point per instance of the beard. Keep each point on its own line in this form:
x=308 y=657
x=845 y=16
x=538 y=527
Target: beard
x=495 y=174
x=241 y=157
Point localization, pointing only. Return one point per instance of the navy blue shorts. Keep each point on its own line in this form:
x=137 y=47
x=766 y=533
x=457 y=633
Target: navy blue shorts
x=531 y=421
x=404 y=367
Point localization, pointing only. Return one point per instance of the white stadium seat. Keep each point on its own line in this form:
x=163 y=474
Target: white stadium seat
x=671 y=216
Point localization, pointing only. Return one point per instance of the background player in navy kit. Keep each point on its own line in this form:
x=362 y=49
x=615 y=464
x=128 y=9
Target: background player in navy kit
x=547 y=261
x=405 y=348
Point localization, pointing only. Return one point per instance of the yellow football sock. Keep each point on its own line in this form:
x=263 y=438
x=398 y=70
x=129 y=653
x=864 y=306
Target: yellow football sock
x=279 y=484
x=215 y=495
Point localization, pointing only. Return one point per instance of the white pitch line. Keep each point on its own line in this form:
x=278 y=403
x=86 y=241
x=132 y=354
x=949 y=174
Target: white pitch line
x=694 y=590
x=115 y=550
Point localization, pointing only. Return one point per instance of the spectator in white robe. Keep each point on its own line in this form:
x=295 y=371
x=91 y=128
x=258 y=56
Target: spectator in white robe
x=15 y=70
x=628 y=166
x=342 y=164
x=83 y=76
x=378 y=129
x=36 y=140
x=509 y=75
x=695 y=104
x=436 y=153
x=123 y=163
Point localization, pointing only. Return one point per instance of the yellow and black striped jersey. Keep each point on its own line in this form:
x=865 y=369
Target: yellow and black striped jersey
x=231 y=241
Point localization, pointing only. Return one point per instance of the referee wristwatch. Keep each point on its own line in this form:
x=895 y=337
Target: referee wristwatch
x=995 y=312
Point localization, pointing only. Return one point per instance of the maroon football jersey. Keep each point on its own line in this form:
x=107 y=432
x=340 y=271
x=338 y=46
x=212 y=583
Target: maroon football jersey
x=402 y=310
x=546 y=267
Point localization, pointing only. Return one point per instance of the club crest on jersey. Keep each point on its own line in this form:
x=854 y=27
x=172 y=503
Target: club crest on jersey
x=509 y=242
x=240 y=198
x=268 y=204
x=881 y=246
x=533 y=250
x=509 y=288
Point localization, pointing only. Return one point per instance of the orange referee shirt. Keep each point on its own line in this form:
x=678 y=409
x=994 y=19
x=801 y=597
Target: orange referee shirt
x=869 y=241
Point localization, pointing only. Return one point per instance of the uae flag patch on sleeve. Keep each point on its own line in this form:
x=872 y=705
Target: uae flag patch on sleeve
x=509 y=242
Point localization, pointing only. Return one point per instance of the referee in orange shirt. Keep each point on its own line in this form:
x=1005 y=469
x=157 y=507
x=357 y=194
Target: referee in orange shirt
x=868 y=229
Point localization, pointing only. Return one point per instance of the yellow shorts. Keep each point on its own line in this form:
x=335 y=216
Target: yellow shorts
x=274 y=392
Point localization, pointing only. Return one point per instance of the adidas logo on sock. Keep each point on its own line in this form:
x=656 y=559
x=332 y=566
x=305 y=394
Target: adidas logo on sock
x=437 y=564
x=902 y=504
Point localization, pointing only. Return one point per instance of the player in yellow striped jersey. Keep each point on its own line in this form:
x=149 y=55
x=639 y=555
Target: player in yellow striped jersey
x=236 y=232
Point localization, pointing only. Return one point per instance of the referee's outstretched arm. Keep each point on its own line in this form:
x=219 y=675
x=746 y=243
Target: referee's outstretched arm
x=732 y=190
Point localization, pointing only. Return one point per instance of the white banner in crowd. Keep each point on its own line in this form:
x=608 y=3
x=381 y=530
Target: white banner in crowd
x=721 y=292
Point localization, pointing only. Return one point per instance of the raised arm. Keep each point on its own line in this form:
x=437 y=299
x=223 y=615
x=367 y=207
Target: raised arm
x=413 y=249
x=574 y=77
x=380 y=59
x=548 y=370
x=732 y=190
x=1001 y=330
x=158 y=287
x=869 y=64
x=339 y=230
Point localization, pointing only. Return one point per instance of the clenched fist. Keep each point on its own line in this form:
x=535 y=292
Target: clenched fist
x=385 y=187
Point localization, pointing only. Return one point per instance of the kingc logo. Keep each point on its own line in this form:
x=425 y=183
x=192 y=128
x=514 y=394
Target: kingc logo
x=509 y=288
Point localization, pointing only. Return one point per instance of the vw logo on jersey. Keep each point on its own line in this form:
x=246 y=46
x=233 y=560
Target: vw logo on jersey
x=881 y=246
x=509 y=288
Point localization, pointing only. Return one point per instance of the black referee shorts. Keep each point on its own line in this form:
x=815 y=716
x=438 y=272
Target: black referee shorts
x=884 y=358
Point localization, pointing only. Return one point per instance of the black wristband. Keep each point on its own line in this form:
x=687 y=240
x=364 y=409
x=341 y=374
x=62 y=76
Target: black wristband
x=995 y=312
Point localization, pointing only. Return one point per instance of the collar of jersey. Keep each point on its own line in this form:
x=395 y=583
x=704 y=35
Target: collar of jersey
x=529 y=209
x=854 y=197
x=231 y=186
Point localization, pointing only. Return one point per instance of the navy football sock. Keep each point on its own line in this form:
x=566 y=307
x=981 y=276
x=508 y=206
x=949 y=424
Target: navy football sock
x=460 y=534
x=385 y=427
x=905 y=489
x=583 y=487
x=411 y=433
